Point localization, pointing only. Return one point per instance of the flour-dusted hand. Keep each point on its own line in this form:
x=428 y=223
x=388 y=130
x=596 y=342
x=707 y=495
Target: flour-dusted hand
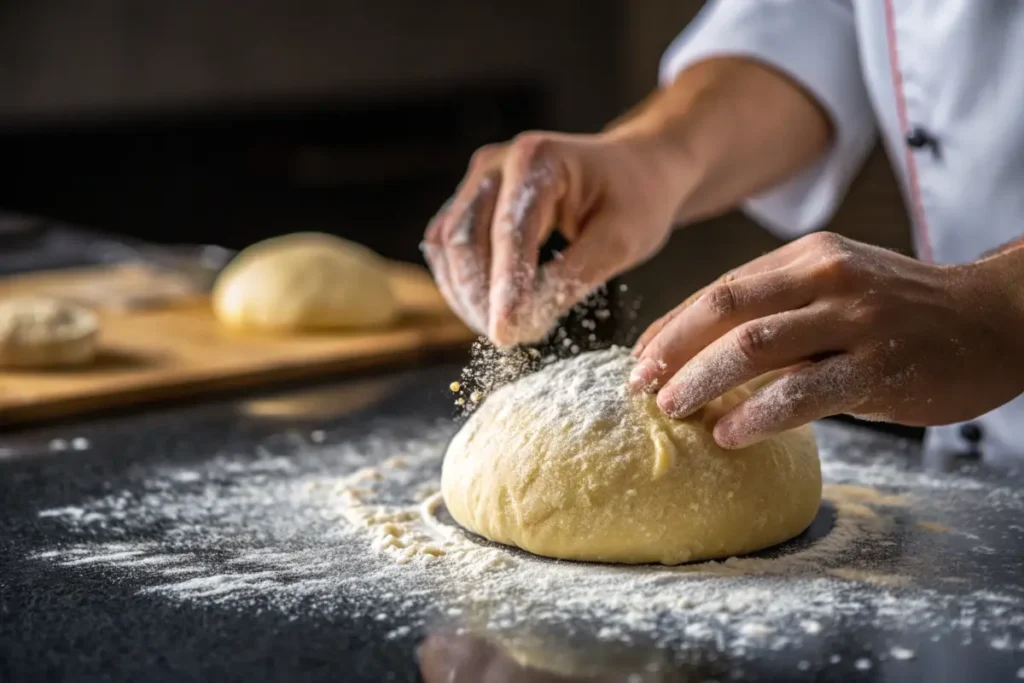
x=853 y=329
x=607 y=195
x=723 y=130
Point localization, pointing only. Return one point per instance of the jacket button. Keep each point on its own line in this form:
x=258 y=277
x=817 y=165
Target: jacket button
x=919 y=138
x=971 y=433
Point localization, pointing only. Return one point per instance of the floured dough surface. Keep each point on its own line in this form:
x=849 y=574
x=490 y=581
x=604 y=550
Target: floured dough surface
x=568 y=463
x=305 y=281
x=41 y=332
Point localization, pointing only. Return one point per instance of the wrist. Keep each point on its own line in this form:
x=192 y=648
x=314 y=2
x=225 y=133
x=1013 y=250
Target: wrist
x=1003 y=273
x=995 y=289
x=659 y=141
x=724 y=130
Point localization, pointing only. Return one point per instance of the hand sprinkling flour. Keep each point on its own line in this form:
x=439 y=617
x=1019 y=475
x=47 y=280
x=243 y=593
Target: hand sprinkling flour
x=484 y=245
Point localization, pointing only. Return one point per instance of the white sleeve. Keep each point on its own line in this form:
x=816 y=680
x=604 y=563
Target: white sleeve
x=814 y=42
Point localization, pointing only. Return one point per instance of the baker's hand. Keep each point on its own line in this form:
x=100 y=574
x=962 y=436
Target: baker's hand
x=855 y=329
x=723 y=130
x=608 y=195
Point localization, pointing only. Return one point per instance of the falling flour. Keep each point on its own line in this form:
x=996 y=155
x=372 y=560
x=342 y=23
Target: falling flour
x=491 y=367
x=326 y=524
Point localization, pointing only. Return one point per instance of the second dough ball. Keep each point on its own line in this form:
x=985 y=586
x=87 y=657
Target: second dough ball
x=305 y=281
x=40 y=333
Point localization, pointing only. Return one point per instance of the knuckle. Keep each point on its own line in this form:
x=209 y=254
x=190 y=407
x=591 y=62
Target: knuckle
x=532 y=146
x=836 y=262
x=435 y=227
x=447 y=227
x=753 y=341
x=484 y=156
x=730 y=276
x=722 y=300
x=826 y=241
x=432 y=235
x=840 y=268
x=460 y=227
x=837 y=267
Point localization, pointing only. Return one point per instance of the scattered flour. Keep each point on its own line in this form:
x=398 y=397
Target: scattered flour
x=491 y=367
x=358 y=527
x=901 y=653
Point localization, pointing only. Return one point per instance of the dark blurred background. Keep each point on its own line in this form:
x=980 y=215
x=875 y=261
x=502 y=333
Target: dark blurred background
x=219 y=121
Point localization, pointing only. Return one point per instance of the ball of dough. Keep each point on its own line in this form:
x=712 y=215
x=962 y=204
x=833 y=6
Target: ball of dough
x=46 y=333
x=568 y=463
x=305 y=281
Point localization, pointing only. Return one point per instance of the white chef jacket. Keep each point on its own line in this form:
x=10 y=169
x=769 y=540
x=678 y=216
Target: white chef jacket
x=943 y=80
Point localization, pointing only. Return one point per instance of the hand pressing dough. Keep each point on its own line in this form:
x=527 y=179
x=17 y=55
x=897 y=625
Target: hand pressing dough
x=568 y=463
x=46 y=333
x=305 y=281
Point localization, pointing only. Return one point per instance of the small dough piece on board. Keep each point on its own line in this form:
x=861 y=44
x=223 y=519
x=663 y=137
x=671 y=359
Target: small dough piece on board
x=568 y=463
x=42 y=332
x=305 y=281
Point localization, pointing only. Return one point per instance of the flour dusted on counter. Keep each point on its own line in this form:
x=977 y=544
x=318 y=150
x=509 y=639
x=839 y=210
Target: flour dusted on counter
x=359 y=528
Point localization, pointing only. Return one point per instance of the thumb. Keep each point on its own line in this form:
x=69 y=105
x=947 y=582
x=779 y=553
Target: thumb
x=601 y=252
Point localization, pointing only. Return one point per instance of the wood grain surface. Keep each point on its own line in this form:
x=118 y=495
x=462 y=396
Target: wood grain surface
x=177 y=349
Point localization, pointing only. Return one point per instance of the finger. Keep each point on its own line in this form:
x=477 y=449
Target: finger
x=437 y=260
x=772 y=260
x=828 y=387
x=523 y=219
x=594 y=258
x=436 y=251
x=436 y=223
x=717 y=311
x=747 y=353
x=435 y=256
x=466 y=240
x=658 y=325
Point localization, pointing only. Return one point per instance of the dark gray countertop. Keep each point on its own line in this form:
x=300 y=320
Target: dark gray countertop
x=117 y=536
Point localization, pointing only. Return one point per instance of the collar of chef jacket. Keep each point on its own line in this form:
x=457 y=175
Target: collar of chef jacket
x=943 y=83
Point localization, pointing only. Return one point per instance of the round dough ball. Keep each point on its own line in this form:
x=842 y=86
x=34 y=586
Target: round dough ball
x=46 y=333
x=305 y=281
x=568 y=463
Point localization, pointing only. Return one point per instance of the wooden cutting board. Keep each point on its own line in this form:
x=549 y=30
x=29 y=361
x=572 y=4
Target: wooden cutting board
x=160 y=340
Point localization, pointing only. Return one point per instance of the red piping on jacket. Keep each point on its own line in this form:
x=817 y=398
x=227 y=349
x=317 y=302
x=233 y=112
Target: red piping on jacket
x=917 y=208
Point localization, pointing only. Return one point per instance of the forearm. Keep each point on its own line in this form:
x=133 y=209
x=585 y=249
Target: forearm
x=1009 y=246
x=725 y=130
x=1002 y=273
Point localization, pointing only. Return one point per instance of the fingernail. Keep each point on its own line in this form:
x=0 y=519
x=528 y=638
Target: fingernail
x=731 y=438
x=646 y=376
x=504 y=330
x=674 y=400
x=667 y=403
x=497 y=332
